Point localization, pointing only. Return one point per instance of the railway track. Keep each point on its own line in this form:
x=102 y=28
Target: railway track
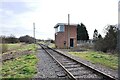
x=74 y=69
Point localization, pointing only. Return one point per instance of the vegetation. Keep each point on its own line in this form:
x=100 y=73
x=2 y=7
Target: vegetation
x=82 y=33
x=118 y=41
x=27 y=39
x=27 y=47
x=14 y=46
x=9 y=39
x=4 y=48
x=95 y=35
x=21 y=67
x=109 y=42
x=107 y=60
x=51 y=45
x=20 y=47
x=13 y=39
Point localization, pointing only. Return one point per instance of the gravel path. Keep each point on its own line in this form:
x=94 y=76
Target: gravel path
x=47 y=68
x=104 y=69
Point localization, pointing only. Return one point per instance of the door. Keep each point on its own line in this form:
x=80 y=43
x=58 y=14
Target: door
x=71 y=42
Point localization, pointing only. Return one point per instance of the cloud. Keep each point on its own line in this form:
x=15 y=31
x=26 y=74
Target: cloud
x=18 y=16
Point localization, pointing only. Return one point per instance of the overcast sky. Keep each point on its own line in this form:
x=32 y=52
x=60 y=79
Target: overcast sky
x=17 y=16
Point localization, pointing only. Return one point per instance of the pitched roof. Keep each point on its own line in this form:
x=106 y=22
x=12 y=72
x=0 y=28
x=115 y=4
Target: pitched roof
x=58 y=24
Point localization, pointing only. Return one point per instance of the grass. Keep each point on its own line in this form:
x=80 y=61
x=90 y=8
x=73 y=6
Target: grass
x=4 y=48
x=51 y=45
x=107 y=60
x=21 y=67
x=41 y=42
x=20 y=47
x=28 y=47
x=13 y=46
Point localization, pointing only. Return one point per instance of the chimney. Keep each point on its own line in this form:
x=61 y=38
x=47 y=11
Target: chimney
x=68 y=19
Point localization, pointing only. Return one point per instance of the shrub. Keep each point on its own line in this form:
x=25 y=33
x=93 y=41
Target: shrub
x=4 y=48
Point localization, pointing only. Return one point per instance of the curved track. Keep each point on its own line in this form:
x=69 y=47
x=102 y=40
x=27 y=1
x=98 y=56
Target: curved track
x=74 y=69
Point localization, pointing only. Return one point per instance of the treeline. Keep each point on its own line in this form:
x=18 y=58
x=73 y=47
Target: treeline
x=107 y=43
x=13 y=39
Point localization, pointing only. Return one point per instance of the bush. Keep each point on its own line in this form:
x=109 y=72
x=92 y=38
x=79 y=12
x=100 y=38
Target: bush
x=4 y=48
x=9 y=39
x=26 y=39
x=109 y=42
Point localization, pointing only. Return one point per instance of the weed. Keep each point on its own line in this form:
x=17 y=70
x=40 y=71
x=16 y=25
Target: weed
x=108 y=60
x=21 y=67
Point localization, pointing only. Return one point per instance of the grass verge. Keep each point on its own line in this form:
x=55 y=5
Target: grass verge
x=21 y=67
x=51 y=45
x=20 y=47
x=107 y=60
x=14 y=46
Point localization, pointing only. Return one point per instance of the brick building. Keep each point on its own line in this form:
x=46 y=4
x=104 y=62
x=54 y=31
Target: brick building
x=65 y=36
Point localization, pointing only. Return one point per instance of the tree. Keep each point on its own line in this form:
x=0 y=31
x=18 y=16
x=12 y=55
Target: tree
x=109 y=42
x=95 y=35
x=12 y=39
x=111 y=37
x=26 y=39
x=82 y=33
x=98 y=43
x=99 y=36
x=9 y=39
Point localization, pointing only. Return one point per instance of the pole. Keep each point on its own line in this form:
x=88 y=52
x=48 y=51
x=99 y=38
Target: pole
x=34 y=33
x=68 y=30
x=118 y=46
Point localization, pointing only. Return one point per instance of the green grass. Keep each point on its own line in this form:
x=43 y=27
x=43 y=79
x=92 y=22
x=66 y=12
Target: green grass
x=51 y=45
x=41 y=42
x=13 y=46
x=105 y=59
x=21 y=67
x=21 y=47
x=27 y=47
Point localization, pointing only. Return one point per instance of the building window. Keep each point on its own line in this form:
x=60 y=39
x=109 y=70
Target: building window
x=56 y=30
x=61 y=28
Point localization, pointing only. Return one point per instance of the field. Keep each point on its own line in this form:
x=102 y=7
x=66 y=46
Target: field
x=19 y=47
x=105 y=59
x=23 y=66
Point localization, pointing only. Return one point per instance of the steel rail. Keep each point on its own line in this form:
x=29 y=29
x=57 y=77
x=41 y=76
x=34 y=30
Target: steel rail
x=109 y=77
x=67 y=72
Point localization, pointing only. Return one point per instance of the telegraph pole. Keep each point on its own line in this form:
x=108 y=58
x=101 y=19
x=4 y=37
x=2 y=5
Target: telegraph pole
x=34 y=33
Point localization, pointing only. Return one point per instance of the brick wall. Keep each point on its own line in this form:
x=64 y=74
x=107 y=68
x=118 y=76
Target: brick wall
x=61 y=37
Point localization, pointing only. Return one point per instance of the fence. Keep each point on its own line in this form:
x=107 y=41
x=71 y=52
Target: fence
x=85 y=44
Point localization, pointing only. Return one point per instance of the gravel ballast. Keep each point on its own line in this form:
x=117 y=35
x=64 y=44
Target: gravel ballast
x=99 y=67
x=46 y=67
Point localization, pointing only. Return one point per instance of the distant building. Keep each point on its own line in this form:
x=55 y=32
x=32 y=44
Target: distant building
x=65 y=36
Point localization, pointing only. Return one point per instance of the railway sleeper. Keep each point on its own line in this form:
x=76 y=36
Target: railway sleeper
x=81 y=72
x=76 y=69
x=71 y=66
x=70 y=63
x=89 y=76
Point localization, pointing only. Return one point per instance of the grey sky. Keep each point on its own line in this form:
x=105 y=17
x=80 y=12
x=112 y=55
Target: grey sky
x=17 y=16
